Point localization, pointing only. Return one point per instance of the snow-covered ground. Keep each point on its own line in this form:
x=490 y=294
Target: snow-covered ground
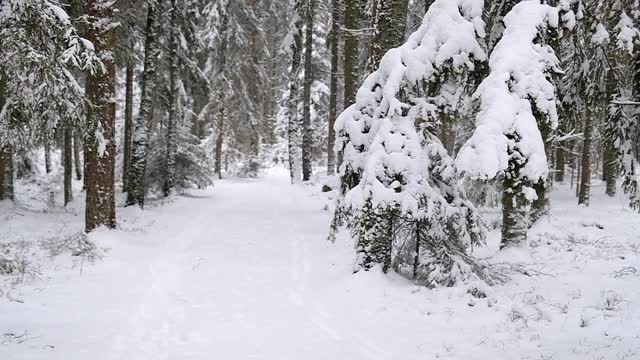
x=243 y=271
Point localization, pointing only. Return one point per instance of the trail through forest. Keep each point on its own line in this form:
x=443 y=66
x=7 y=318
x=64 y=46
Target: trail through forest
x=243 y=271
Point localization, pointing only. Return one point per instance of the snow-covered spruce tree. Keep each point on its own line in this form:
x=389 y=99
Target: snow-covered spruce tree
x=402 y=200
x=178 y=159
x=517 y=98
x=38 y=88
x=237 y=95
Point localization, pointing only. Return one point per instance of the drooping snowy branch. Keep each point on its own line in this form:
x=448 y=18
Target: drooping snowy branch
x=518 y=86
x=392 y=99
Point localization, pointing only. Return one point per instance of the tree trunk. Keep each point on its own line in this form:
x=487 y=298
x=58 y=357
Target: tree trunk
x=308 y=80
x=352 y=10
x=293 y=129
x=128 y=126
x=219 y=141
x=172 y=146
x=142 y=127
x=6 y=162
x=3 y=161
x=221 y=96
x=514 y=216
x=559 y=168
x=76 y=154
x=68 y=163
x=390 y=23
x=100 y=153
x=585 y=176
x=609 y=169
x=47 y=152
x=333 y=87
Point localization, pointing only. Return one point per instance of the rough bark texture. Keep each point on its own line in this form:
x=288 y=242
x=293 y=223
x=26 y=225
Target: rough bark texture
x=128 y=126
x=142 y=127
x=306 y=97
x=609 y=169
x=68 y=163
x=390 y=24
x=293 y=128
x=6 y=161
x=559 y=167
x=172 y=146
x=222 y=58
x=585 y=175
x=100 y=158
x=3 y=161
x=77 y=144
x=334 y=39
x=352 y=9
x=514 y=217
x=47 y=152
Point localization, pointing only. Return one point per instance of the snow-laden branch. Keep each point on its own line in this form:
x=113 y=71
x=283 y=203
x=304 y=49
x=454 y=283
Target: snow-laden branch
x=517 y=88
x=388 y=103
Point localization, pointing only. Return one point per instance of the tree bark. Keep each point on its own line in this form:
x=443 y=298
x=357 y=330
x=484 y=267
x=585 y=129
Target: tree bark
x=6 y=156
x=308 y=80
x=609 y=169
x=352 y=10
x=47 y=152
x=333 y=86
x=68 y=164
x=559 y=168
x=172 y=146
x=100 y=153
x=293 y=129
x=76 y=154
x=222 y=68
x=390 y=24
x=585 y=176
x=142 y=127
x=128 y=126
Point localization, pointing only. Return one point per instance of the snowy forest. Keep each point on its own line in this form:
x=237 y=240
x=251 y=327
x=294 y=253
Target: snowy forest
x=319 y=179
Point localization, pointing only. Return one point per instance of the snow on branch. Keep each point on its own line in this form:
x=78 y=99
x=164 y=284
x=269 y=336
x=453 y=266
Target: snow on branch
x=517 y=88
x=447 y=38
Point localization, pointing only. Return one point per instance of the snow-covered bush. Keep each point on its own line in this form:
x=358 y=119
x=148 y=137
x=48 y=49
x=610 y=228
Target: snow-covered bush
x=400 y=192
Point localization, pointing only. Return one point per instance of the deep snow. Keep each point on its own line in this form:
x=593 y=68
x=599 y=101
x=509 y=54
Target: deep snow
x=243 y=271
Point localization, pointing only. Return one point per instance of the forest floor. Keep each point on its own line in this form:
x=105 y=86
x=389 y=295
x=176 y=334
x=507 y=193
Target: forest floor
x=243 y=271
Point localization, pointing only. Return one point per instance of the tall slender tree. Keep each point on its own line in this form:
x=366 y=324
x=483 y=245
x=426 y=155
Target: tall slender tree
x=99 y=144
x=142 y=127
x=306 y=97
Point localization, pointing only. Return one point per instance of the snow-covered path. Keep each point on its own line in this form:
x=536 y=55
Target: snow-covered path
x=243 y=271
x=226 y=273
